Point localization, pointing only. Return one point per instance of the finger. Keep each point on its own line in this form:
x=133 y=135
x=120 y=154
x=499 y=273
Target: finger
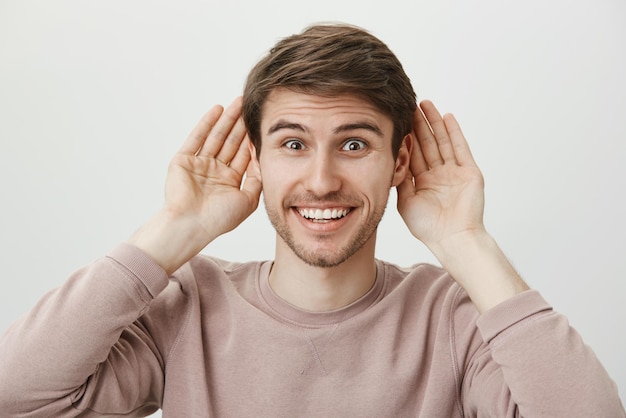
x=405 y=190
x=241 y=159
x=439 y=130
x=198 y=135
x=426 y=139
x=462 y=151
x=252 y=186
x=222 y=128
x=232 y=143
x=418 y=163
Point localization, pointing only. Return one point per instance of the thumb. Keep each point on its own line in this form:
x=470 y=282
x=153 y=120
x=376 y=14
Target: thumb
x=252 y=185
x=405 y=190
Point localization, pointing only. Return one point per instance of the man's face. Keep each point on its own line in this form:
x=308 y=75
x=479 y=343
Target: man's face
x=327 y=167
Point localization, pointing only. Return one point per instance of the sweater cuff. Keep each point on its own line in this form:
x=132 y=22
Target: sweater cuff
x=142 y=266
x=510 y=312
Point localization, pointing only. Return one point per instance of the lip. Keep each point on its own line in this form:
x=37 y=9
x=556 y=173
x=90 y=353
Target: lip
x=323 y=226
x=328 y=213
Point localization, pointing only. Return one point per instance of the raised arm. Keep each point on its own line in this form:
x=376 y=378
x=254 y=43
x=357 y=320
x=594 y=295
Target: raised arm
x=442 y=203
x=88 y=344
x=546 y=368
x=206 y=192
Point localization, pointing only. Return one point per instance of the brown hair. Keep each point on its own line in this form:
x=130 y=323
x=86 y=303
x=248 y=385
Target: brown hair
x=330 y=60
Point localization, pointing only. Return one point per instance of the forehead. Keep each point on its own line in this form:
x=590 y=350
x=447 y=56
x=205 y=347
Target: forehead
x=283 y=104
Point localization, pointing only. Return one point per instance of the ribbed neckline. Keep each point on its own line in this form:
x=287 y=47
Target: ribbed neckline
x=287 y=312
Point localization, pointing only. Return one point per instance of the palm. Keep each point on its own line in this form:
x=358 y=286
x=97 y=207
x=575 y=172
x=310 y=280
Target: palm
x=445 y=201
x=207 y=190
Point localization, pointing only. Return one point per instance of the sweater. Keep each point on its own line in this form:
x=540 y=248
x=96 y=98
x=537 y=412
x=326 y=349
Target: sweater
x=120 y=338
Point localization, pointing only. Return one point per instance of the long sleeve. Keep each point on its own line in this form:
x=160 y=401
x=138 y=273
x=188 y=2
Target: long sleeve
x=105 y=341
x=547 y=369
x=81 y=347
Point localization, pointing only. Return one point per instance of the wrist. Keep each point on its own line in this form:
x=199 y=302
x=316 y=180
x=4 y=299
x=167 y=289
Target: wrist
x=170 y=240
x=450 y=248
x=477 y=263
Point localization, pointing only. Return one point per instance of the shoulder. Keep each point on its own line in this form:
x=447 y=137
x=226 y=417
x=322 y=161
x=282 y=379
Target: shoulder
x=214 y=271
x=207 y=279
x=203 y=286
x=430 y=287
x=201 y=279
x=419 y=278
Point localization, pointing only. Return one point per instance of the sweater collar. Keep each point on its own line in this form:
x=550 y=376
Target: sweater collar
x=287 y=312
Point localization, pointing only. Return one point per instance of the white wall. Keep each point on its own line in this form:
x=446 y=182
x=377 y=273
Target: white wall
x=96 y=96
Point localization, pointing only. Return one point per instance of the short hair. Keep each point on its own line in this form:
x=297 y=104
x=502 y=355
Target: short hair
x=330 y=60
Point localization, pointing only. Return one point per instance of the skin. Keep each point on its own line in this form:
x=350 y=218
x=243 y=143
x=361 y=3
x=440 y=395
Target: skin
x=330 y=153
x=337 y=153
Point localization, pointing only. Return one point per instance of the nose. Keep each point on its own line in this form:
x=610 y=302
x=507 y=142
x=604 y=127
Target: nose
x=322 y=175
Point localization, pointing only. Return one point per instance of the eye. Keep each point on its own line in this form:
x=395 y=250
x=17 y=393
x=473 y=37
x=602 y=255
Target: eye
x=354 y=145
x=294 y=144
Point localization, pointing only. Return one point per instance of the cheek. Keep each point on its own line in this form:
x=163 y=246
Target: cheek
x=277 y=170
x=374 y=176
x=275 y=181
x=373 y=186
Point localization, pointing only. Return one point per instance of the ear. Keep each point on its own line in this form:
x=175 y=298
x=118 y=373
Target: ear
x=253 y=167
x=403 y=161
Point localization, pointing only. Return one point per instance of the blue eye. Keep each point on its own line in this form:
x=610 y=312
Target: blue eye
x=354 y=145
x=294 y=144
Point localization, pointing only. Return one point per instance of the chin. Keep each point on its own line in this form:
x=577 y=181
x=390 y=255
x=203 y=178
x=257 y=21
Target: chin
x=322 y=262
x=326 y=258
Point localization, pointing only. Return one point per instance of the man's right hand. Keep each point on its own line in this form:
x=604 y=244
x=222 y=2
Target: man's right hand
x=204 y=195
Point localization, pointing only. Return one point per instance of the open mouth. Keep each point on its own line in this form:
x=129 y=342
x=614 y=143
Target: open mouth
x=323 y=215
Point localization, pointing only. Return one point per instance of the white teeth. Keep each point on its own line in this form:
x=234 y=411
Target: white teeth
x=326 y=214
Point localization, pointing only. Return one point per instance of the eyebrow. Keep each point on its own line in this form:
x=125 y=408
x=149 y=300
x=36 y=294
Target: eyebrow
x=286 y=125
x=342 y=128
x=359 y=125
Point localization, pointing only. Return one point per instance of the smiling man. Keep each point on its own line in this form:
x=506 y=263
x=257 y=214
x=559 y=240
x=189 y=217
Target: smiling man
x=327 y=126
x=337 y=152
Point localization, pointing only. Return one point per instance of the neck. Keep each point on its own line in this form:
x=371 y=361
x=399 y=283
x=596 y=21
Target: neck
x=320 y=289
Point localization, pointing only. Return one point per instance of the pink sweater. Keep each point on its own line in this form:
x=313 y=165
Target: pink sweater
x=121 y=338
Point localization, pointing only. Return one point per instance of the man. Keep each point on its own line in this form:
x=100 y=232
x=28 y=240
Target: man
x=326 y=127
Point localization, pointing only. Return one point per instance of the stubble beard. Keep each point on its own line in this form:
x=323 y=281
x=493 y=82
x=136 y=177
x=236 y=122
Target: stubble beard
x=326 y=259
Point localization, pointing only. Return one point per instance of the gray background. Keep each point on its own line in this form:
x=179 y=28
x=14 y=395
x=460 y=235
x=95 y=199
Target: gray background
x=95 y=97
